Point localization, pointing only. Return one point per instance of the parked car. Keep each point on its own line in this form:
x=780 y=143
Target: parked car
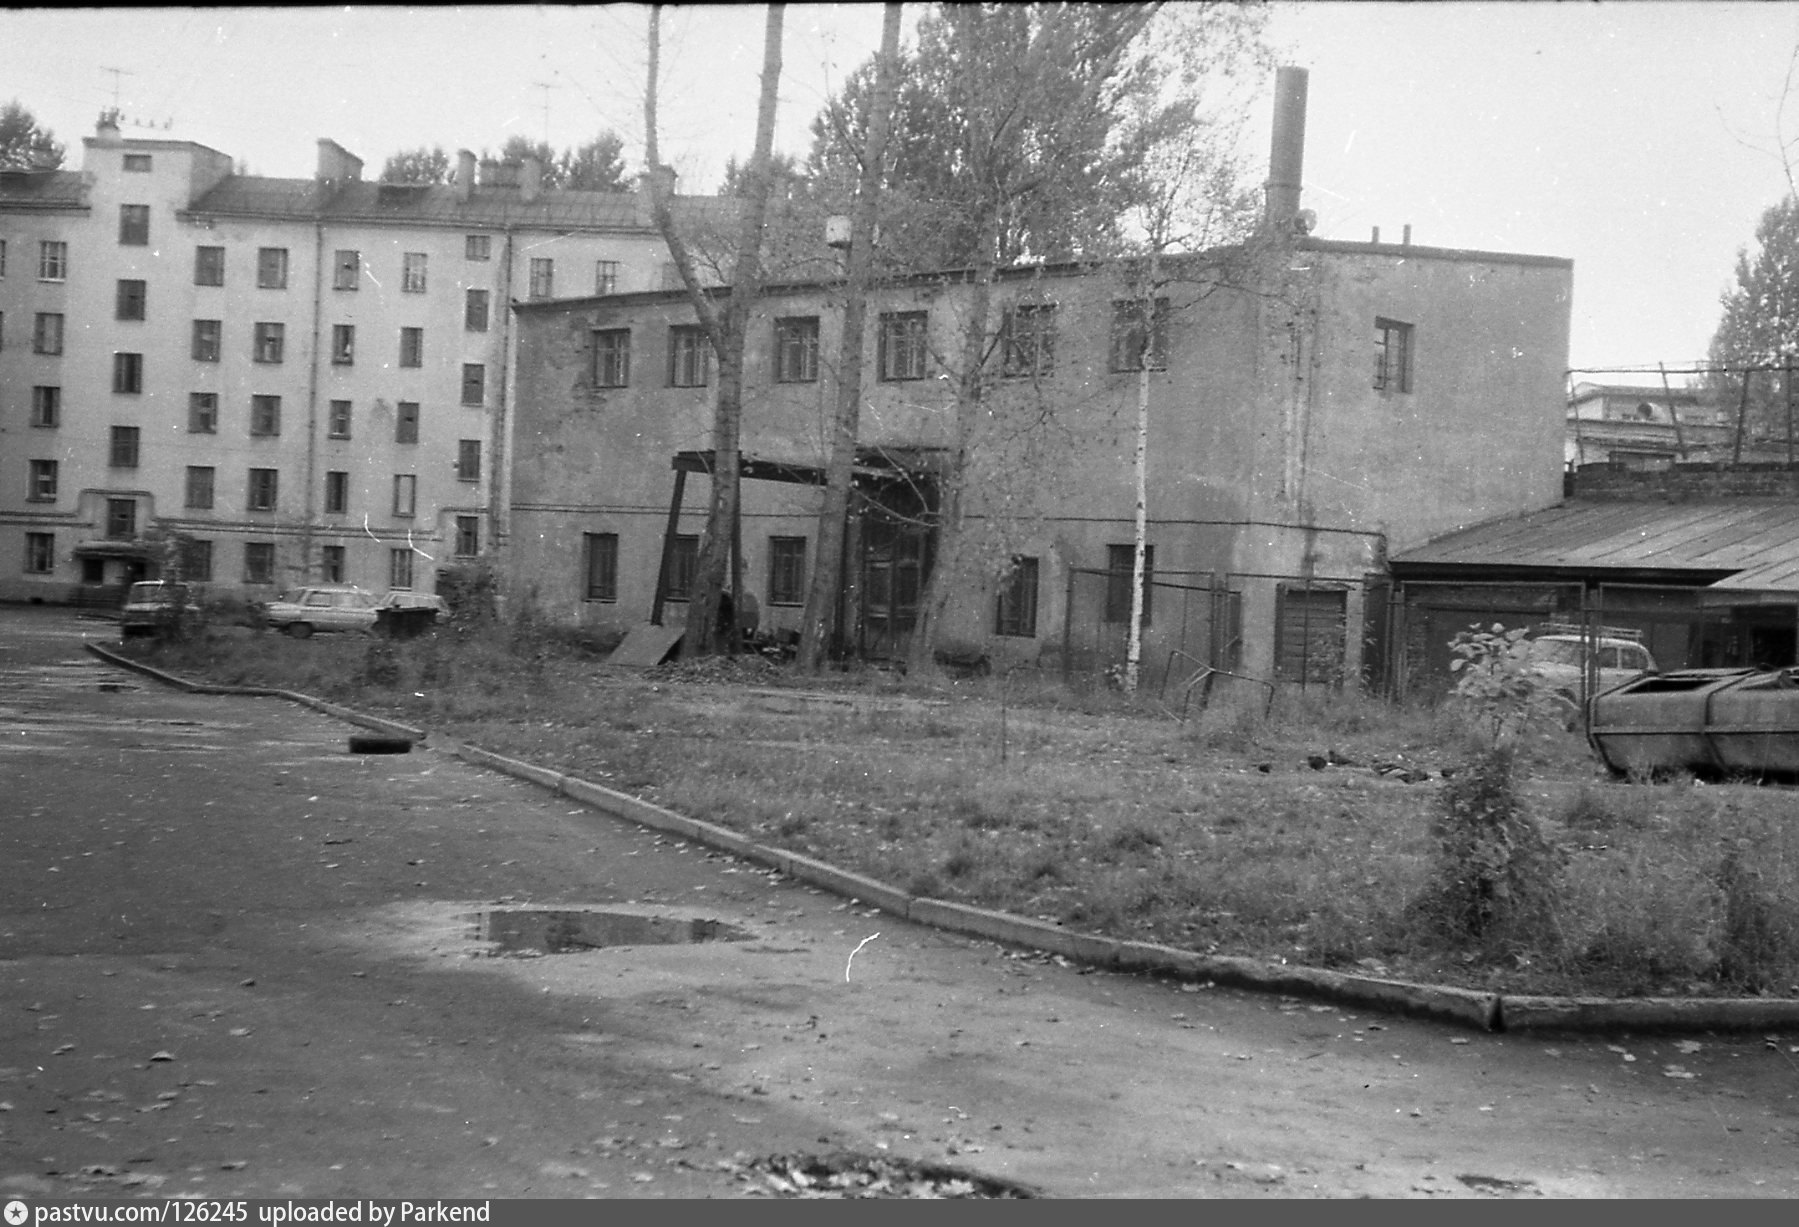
x=327 y=607
x=1711 y=722
x=1560 y=658
x=155 y=606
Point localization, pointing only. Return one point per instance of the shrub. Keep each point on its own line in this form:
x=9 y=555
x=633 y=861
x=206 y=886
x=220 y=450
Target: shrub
x=1496 y=874
x=1497 y=686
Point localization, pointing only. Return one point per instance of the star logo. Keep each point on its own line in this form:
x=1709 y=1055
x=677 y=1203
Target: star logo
x=16 y=1213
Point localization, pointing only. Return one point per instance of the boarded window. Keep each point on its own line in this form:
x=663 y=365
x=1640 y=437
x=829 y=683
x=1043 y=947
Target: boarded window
x=1309 y=635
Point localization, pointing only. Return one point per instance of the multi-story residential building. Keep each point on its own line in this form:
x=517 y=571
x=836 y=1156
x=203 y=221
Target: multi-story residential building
x=271 y=381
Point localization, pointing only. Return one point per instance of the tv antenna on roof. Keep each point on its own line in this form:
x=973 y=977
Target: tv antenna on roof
x=116 y=74
x=546 y=87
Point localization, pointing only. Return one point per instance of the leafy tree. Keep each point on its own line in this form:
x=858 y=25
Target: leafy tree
x=1759 y=327
x=597 y=166
x=421 y=165
x=23 y=144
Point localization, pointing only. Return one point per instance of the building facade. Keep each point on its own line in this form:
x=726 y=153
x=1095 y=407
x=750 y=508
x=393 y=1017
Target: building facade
x=1319 y=406
x=266 y=382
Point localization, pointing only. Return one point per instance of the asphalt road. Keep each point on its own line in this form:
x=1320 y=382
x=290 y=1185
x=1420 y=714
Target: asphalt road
x=237 y=960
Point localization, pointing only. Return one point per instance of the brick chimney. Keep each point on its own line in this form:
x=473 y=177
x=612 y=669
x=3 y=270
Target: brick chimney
x=337 y=164
x=530 y=179
x=465 y=175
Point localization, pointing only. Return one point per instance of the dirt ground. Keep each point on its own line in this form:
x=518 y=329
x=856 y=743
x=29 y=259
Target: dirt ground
x=236 y=960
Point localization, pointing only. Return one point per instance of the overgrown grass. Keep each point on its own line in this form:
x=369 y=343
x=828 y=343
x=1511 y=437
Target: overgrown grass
x=1283 y=830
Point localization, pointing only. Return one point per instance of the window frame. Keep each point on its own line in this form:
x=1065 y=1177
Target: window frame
x=903 y=346
x=474 y=384
x=412 y=347
x=1395 y=348
x=683 y=567
x=271 y=268
x=399 y=568
x=268 y=342
x=259 y=562
x=605 y=277
x=131 y=299
x=53 y=260
x=46 y=406
x=796 y=349
x=134 y=225
x=262 y=490
x=599 y=554
x=406 y=421
x=127 y=373
x=468 y=460
x=1120 y=562
x=617 y=372
x=468 y=537
x=208 y=340
x=200 y=490
x=343 y=345
x=121 y=519
x=123 y=447
x=477 y=247
x=40 y=553
x=45 y=323
x=346 y=269
x=334 y=563
x=338 y=421
x=202 y=413
x=1028 y=350
x=265 y=415
x=1015 y=604
x=476 y=305
x=786 y=570
x=541 y=277
x=337 y=492
x=1127 y=356
x=209 y=268
x=413 y=272
x=688 y=347
x=406 y=496
x=43 y=480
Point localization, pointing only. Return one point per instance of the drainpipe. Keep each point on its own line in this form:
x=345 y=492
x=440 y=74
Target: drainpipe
x=312 y=397
x=499 y=462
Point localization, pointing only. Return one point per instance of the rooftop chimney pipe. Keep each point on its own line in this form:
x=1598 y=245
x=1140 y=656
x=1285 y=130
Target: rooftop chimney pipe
x=1286 y=160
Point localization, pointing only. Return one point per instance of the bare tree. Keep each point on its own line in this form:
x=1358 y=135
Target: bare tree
x=725 y=331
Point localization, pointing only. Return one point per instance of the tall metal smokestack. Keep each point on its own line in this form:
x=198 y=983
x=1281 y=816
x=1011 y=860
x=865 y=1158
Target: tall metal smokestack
x=1286 y=161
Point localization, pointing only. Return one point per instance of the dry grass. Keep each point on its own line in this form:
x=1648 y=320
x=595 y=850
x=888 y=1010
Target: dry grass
x=1285 y=833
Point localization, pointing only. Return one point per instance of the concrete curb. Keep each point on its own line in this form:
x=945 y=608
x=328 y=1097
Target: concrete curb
x=1464 y=1007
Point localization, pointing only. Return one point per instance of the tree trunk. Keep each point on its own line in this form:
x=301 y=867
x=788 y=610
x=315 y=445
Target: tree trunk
x=819 y=627
x=1133 y=658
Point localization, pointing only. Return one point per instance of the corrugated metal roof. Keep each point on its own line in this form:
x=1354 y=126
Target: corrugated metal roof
x=1755 y=540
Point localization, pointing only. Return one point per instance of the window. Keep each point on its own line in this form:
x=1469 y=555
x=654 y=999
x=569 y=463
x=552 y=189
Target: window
x=134 y=225
x=270 y=341
x=412 y=272
x=42 y=487
x=1030 y=340
x=786 y=570
x=2 y=257
x=130 y=302
x=40 y=553
x=202 y=413
x=337 y=424
x=605 y=277
x=474 y=310
x=206 y=340
x=468 y=460
x=271 y=268
x=46 y=406
x=337 y=492
x=601 y=553
x=796 y=350
x=46 y=333
x=687 y=350
x=683 y=566
x=406 y=422
x=543 y=277
x=477 y=247
x=1137 y=341
x=902 y=345
x=346 y=271
x=612 y=358
x=2 y=330
x=121 y=452
x=331 y=563
x=200 y=481
x=399 y=568
x=406 y=487
x=209 y=266
x=1392 y=356
x=468 y=536
x=259 y=562
x=265 y=415
x=127 y=372
x=138 y=163
x=1120 y=561
x=196 y=561
x=1017 y=606
x=474 y=383
x=264 y=489
x=121 y=519
x=343 y=344
x=412 y=347
x=52 y=260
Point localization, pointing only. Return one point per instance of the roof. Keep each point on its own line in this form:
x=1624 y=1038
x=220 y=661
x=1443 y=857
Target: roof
x=42 y=189
x=1730 y=542
x=358 y=201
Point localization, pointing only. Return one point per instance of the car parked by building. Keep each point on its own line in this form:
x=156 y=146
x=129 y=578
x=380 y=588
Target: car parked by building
x=326 y=607
x=1561 y=654
x=158 y=606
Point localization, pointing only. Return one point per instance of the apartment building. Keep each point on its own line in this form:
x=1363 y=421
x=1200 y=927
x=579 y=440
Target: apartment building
x=262 y=382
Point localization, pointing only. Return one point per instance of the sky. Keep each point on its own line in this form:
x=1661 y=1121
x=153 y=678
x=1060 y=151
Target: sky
x=1638 y=138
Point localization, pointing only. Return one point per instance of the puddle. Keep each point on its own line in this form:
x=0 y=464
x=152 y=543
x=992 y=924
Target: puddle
x=565 y=931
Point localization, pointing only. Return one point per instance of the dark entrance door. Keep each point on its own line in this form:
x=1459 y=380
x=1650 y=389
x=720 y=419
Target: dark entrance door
x=896 y=548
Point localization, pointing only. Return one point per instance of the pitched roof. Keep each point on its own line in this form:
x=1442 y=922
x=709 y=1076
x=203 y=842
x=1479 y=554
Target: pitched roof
x=1735 y=542
x=42 y=189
